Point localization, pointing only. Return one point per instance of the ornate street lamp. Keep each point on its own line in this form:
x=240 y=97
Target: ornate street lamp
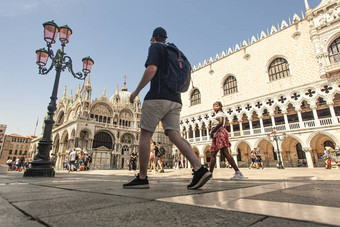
x=273 y=137
x=41 y=165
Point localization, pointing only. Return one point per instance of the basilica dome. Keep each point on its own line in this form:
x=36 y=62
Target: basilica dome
x=123 y=96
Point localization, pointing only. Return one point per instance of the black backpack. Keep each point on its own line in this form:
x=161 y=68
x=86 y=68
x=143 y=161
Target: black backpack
x=161 y=151
x=178 y=74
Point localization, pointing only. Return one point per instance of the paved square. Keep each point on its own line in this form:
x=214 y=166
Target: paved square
x=269 y=197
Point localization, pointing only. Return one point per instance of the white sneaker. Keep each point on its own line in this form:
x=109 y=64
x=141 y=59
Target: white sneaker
x=238 y=176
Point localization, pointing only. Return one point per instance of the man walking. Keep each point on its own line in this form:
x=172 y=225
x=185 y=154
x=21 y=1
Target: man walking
x=161 y=104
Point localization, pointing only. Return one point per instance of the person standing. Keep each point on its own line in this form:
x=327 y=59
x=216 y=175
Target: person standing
x=253 y=158
x=259 y=158
x=9 y=163
x=176 y=159
x=220 y=141
x=152 y=156
x=72 y=159
x=160 y=154
x=162 y=104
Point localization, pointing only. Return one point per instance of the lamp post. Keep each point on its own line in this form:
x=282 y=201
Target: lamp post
x=41 y=165
x=273 y=137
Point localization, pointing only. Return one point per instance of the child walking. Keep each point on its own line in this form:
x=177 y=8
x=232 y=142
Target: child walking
x=220 y=141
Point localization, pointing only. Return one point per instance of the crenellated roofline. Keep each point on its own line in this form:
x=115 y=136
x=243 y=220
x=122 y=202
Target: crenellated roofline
x=231 y=50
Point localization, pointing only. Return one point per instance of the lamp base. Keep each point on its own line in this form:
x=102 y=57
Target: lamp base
x=40 y=168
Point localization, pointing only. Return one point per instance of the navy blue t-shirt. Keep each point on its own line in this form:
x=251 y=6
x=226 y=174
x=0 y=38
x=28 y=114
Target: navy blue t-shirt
x=158 y=90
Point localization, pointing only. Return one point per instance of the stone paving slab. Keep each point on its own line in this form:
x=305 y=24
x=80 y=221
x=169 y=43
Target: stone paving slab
x=81 y=202
x=155 y=214
x=11 y=216
x=96 y=198
x=319 y=193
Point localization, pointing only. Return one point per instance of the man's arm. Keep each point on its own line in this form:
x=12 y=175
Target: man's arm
x=149 y=73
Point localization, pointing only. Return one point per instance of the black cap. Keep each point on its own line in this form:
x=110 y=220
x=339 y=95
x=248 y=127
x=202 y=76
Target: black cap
x=159 y=32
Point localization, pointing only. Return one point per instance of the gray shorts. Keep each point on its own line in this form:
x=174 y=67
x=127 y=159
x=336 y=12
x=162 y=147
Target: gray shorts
x=154 y=111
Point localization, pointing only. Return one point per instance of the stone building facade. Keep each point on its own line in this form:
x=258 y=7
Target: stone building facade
x=15 y=146
x=106 y=128
x=285 y=78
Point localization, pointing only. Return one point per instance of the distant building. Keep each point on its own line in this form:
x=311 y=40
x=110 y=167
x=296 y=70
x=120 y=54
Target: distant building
x=15 y=146
x=106 y=128
x=287 y=77
x=2 y=136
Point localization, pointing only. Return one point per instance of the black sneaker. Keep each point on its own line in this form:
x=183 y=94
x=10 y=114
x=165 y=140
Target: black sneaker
x=201 y=177
x=137 y=183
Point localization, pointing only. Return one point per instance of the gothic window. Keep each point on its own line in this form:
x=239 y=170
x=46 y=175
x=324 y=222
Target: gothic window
x=125 y=149
x=60 y=119
x=230 y=85
x=195 y=97
x=334 y=51
x=102 y=139
x=301 y=154
x=278 y=69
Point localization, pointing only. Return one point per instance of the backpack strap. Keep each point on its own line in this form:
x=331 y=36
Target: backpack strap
x=180 y=59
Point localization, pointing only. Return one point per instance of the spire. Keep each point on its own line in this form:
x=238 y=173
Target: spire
x=104 y=94
x=307 y=5
x=88 y=82
x=64 y=95
x=117 y=91
x=124 y=88
x=70 y=98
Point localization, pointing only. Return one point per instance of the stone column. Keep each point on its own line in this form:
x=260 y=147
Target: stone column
x=234 y=157
x=207 y=131
x=334 y=118
x=240 y=125
x=316 y=118
x=218 y=160
x=286 y=120
x=308 y=151
x=202 y=160
x=298 y=111
x=273 y=119
x=231 y=130
x=261 y=124
x=200 y=129
x=193 y=134
x=187 y=134
x=251 y=126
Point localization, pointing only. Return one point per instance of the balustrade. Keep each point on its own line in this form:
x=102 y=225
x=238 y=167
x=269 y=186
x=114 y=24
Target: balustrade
x=309 y=124
x=325 y=121
x=295 y=125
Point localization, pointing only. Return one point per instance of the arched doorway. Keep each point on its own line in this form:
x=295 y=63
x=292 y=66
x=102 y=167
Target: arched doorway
x=103 y=144
x=207 y=155
x=318 y=146
x=243 y=154
x=268 y=155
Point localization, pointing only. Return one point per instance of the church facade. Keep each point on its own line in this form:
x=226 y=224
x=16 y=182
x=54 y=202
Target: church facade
x=284 y=79
x=106 y=128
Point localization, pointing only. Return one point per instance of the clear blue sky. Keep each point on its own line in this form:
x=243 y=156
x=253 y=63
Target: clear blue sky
x=116 y=35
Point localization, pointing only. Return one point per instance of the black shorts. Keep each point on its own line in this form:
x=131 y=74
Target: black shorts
x=253 y=159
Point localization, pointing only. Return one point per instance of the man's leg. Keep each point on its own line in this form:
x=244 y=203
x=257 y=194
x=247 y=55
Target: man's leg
x=185 y=148
x=144 y=152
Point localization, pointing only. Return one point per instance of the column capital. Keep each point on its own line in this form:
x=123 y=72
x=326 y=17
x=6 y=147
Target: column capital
x=307 y=149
